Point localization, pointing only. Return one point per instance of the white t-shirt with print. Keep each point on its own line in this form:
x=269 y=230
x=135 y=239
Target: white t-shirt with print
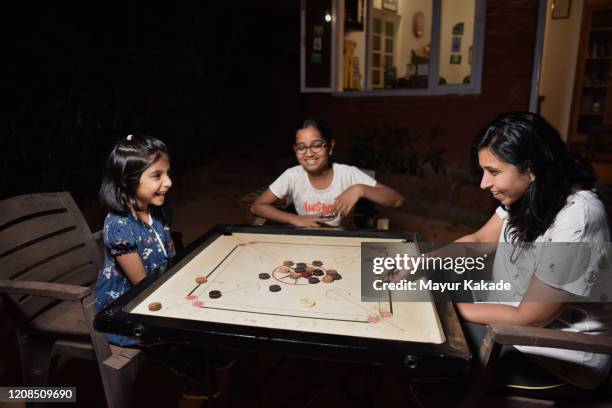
x=583 y=219
x=295 y=185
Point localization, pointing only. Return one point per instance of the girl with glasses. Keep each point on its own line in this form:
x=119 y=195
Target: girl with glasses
x=322 y=192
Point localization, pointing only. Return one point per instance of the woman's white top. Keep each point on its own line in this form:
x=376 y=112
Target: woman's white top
x=582 y=270
x=308 y=200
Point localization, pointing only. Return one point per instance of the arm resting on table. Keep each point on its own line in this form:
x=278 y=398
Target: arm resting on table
x=263 y=206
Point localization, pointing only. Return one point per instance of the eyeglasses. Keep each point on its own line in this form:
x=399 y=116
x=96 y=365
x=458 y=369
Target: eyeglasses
x=314 y=147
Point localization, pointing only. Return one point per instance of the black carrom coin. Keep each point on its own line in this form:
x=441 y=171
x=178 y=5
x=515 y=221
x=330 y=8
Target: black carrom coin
x=318 y=272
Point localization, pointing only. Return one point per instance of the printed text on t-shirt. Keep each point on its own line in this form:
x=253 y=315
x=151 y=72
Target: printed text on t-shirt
x=318 y=207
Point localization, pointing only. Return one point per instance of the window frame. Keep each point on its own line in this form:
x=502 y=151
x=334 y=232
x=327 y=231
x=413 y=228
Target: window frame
x=433 y=87
x=334 y=50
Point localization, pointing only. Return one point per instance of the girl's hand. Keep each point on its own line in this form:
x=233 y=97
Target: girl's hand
x=312 y=221
x=346 y=201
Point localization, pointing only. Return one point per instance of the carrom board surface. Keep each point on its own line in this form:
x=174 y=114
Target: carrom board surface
x=232 y=265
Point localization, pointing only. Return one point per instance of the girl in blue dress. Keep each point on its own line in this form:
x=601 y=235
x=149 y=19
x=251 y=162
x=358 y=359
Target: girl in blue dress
x=137 y=242
x=136 y=236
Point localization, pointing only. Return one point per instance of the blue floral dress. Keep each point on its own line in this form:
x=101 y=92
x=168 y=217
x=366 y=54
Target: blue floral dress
x=125 y=234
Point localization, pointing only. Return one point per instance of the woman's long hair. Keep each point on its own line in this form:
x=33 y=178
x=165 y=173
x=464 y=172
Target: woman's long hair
x=530 y=143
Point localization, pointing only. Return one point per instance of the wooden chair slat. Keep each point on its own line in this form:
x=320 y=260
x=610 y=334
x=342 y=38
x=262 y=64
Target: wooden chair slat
x=25 y=205
x=34 y=254
x=66 y=318
x=542 y=337
x=32 y=306
x=55 y=268
x=83 y=277
x=60 y=291
x=75 y=349
x=23 y=233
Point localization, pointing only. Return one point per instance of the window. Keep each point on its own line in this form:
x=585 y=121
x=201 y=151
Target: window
x=382 y=38
x=394 y=47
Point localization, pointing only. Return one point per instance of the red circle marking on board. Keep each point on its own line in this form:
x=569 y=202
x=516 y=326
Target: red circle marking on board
x=198 y=303
x=191 y=297
x=285 y=280
x=386 y=314
x=373 y=319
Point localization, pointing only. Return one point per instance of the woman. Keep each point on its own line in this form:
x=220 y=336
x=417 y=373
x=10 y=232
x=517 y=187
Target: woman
x=545 y=197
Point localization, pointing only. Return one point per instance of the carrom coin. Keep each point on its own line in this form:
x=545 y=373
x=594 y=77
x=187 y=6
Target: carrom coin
x=328 y=279
x=287 y=263
x=318 y=272
x=201 y=279
x=214 y=294
x=307 y=302
x=155 y=306
x=275 y=288
x=317 y=263
x=264 y=276
x=313 y=280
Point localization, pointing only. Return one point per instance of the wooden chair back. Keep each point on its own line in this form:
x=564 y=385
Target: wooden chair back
x=48 y=264
x=44 y=238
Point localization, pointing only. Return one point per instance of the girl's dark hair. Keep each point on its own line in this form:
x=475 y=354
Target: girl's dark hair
x=320 y=125
x=126 y=163
x=529 y=142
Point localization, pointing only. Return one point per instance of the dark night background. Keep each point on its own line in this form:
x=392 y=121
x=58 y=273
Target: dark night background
x=219 y=83
x=206 y=77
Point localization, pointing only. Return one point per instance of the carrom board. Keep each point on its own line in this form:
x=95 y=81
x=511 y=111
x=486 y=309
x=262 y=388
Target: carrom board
x=265 y=281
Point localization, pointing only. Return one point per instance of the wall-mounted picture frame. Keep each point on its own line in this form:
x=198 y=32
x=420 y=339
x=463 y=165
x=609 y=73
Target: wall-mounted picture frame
x=455 y=59
x=561 y=9
x=456 y=44
x=422 y=69
x=390 y=5
x=353 y=15
x=458 y=29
